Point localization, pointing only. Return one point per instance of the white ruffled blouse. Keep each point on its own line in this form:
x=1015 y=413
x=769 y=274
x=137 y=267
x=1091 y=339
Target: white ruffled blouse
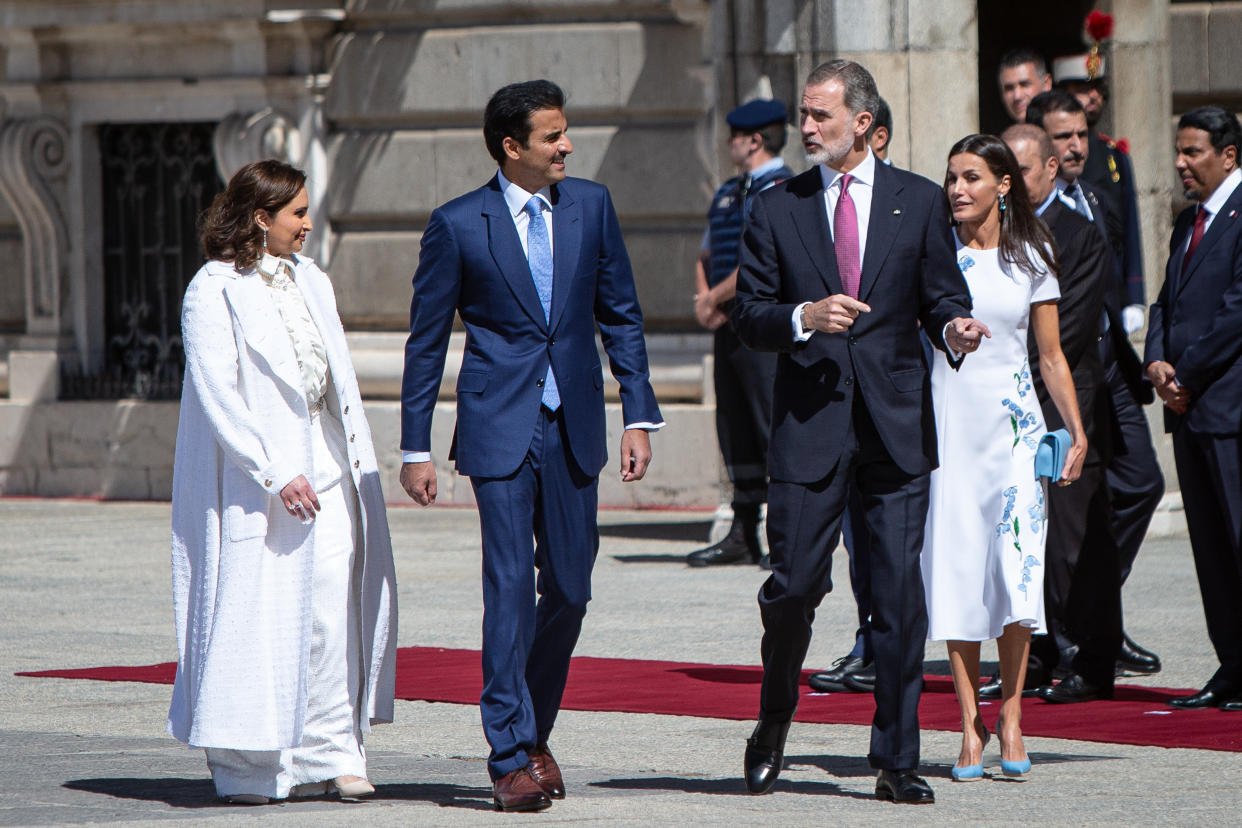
x=312 y=357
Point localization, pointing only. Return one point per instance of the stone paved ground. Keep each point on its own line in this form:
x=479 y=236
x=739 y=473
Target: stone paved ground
x=86 y=584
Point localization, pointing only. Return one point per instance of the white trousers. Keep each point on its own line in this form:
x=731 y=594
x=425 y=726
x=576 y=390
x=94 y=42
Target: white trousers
x=331 y=737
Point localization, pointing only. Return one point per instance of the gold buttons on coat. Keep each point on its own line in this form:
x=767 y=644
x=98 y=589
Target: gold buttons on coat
x=267 y=484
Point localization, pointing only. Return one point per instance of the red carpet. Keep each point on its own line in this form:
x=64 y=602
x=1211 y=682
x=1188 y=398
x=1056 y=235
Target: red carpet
x=1137 y=716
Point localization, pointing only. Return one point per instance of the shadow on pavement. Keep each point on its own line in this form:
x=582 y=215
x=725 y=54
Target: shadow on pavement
x=724 y=787
x=201 y=793
x=689 y=531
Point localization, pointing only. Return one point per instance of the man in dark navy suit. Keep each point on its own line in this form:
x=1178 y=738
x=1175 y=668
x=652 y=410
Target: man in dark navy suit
x=1082 y=589
x=840 y=266
x=1194 y=360
x=532 y=262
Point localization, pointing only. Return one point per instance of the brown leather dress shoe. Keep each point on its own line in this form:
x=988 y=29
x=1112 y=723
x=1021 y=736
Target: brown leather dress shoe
x=518 y=791
x=546 y=772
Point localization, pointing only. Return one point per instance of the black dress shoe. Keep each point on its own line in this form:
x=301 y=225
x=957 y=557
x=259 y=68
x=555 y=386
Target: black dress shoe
x=765 y=752
x=739 y=546
x=1132 y=658
x=1073 y=689
x=904 y=786
x=862 y=681
x=1035 y=680
x=833 y=681
x=1207 y=697
x=1233 y=705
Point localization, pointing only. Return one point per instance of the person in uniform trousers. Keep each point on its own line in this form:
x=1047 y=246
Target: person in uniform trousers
x=1134 y=478
x=1194 y=360
x=743 y=378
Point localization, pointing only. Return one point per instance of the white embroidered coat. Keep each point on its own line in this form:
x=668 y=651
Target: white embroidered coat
x=242 y=607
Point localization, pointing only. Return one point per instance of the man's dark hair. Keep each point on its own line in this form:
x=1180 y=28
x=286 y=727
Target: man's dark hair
x=1220 y=124
x=861 y=94
x=508 y=113
x=882 y=117
x=773 y=136
x=1054 y=100
x=1017 y=57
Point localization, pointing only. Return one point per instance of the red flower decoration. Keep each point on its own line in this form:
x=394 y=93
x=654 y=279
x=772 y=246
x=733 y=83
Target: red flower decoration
x=1123 y=144
x=1099 y=25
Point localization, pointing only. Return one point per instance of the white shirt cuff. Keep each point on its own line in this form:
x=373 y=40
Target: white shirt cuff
x=415 y=456
x=800 y=333
x=646 y=426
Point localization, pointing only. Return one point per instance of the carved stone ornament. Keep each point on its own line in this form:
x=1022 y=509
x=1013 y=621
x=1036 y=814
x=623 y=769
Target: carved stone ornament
x=240 y=139
x=33 y=155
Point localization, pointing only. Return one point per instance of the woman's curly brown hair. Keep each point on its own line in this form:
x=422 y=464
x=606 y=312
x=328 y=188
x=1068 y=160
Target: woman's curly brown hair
x=230 y=233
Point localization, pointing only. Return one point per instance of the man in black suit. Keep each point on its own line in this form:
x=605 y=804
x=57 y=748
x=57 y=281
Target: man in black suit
x=1081 y=583
x=1134 y=479
x=839 y=267
x=1194 y=360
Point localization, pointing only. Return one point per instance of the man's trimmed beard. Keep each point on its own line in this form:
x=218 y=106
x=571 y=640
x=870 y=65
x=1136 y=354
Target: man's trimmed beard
x=829 y=155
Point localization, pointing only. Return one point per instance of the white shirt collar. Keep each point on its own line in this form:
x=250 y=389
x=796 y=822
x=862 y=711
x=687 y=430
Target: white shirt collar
x=864 y=173
x=1055 y=195
x=516 y=197
x=1216 y=201
x=272 y=266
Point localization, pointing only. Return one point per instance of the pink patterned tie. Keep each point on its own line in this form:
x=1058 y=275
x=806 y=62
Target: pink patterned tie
x=845 y=239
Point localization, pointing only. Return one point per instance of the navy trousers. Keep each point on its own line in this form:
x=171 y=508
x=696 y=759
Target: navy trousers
x=1209 y=469
x=542 y=517
x=804 y=524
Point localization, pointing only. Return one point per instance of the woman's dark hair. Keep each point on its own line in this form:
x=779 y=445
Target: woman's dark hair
x=508 y=113
x=1021 y=231
x=230 y=233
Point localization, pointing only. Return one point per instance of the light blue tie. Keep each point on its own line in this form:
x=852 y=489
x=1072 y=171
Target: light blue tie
x=539 y=256
x=1080 y=201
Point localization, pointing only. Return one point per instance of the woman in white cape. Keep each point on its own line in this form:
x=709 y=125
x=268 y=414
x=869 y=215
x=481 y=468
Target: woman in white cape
x=283 y=579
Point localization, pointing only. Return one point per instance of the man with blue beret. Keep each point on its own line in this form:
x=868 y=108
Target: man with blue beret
x=743 y=378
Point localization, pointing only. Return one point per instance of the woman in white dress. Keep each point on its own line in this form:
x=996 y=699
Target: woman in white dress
x=283 y=582
x=983 y=550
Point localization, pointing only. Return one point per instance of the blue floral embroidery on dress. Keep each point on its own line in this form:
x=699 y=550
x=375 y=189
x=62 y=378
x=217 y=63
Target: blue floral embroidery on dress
x=1023 y=422
x=965 y=263
x=1011 y=524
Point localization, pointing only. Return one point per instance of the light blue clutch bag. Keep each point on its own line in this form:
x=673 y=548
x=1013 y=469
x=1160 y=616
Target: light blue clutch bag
x=1050 y=455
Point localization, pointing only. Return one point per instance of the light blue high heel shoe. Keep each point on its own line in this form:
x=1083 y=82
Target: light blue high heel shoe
x=971 y=773
x=1013 y=768
x=1017 y=768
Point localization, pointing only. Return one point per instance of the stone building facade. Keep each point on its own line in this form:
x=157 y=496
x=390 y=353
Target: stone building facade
x=118 y=118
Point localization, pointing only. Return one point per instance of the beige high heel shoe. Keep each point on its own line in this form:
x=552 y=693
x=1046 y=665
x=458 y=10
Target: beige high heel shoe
x=352 y=787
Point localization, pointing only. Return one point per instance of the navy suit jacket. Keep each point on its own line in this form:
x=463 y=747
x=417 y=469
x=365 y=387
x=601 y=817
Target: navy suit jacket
x=472 y=263
x=909 y=276
x=1196 y=322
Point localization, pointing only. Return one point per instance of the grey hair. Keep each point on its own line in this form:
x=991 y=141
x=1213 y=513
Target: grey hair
x=861 y=94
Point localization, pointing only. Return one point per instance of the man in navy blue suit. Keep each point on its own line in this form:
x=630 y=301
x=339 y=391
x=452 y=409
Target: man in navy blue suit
x=533 y=262
x=1194 y=361
x=840 y=268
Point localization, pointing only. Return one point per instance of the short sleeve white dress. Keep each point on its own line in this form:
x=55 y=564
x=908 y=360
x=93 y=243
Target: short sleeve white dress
x=983 y=550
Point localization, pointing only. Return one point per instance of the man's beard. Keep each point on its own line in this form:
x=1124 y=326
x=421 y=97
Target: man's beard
x=830 y=155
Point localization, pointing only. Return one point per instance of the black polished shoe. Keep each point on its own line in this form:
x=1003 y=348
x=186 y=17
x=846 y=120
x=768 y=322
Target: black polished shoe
x=1132 y=658
x=1233 y=705
x=1035 y=680
x=1207 y=697
x=903 y=786
x=765 y=752
x=1073 y=689
x=833 y=681
x=738 y=547
x=862 y=681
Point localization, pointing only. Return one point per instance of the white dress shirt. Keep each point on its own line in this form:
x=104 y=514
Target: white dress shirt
x=516 y=198
x=308 y=345
x=861 y=188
